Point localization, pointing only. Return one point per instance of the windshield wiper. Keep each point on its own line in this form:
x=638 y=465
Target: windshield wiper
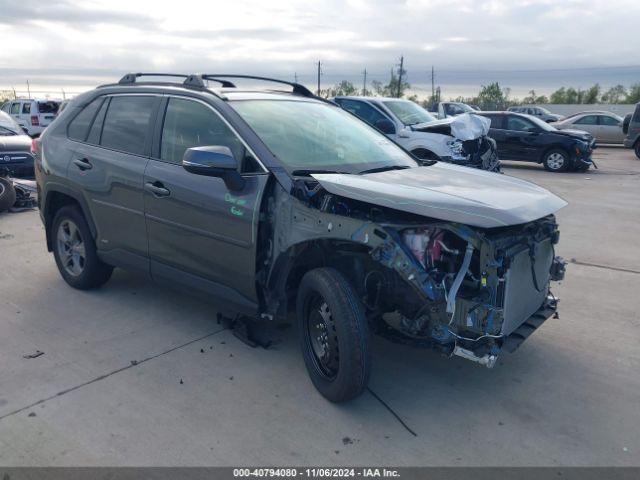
x=306 y=173
x=384 y=169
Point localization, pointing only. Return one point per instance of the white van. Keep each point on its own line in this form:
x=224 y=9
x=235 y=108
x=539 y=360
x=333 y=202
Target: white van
x=33 y=115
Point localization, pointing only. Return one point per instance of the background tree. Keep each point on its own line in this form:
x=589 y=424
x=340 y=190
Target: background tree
x=492 y=97
x=634 y=94
x=615 y=94
x=592 y=95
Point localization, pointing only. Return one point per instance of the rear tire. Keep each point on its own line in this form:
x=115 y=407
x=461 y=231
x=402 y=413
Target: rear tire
x=334 y=335
x=75 y=251
x=636 y=149
x=7 y=194
x=556 y=160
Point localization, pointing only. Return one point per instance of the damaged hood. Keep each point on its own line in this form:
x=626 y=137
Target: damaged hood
x=464 y=127
x=448 y=192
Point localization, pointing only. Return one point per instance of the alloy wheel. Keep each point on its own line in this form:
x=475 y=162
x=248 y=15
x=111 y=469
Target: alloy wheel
x=555 y=161
x=71 y=248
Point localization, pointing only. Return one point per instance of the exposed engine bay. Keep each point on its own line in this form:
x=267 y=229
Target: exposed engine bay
x=464 y=290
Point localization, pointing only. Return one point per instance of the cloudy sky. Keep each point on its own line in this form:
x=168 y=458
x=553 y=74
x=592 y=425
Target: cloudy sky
x=81 y=42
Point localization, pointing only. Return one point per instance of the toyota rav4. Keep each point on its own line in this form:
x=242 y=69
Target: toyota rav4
x=272 y=202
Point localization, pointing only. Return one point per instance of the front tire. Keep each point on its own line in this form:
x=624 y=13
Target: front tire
x=334 y=335
x=556 y=160
x=75 y=251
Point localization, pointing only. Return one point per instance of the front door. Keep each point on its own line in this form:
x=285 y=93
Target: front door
x=201 y=233
x=521 y=139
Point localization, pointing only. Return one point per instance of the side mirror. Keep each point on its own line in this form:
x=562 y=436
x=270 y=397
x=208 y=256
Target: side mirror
x=214 y=161
x=385 y=126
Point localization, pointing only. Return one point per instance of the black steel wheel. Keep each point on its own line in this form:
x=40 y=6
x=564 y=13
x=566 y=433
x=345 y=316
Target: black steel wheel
x=334 y=335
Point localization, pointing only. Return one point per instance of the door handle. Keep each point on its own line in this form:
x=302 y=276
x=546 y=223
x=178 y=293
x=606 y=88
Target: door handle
x=83 y=164
x=157 y=189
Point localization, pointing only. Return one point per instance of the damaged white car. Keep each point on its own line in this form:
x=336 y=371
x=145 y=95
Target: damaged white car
x=461 y=140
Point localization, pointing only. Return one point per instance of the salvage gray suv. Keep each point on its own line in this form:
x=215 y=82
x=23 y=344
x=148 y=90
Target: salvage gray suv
x=276 y=201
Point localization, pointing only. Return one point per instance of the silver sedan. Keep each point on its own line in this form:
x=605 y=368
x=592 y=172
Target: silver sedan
x=606 y=127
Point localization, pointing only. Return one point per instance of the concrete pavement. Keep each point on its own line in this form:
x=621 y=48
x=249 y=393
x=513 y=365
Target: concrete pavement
x=133 y=374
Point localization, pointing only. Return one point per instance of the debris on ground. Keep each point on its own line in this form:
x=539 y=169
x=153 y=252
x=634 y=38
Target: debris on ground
x=32 y=414
x=37 y=354
x=347 y=441
x=181 y=382
x=134 y=362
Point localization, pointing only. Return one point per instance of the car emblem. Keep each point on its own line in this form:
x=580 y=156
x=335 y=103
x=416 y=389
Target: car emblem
x=7 y=158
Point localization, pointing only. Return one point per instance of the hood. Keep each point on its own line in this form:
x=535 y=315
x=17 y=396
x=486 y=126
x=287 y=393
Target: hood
x=15 y=143
x=579 y=134
x=448 y=192
x=464 y=127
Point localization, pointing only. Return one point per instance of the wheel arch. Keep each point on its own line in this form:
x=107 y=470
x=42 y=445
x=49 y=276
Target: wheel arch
x=291 y=265
x=59 y=196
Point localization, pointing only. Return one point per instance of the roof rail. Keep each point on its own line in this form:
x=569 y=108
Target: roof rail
x=297 y=88
x=194 y=80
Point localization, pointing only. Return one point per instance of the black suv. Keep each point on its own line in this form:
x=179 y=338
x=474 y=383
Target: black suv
x=529 y=139
x=270 y=202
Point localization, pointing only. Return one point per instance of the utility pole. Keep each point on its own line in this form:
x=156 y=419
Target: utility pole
x=63 y=95
x=28 y=89
x=295 y=77
x=319 y=73
x=15 y=97
x=433 y=85
x=400 y=76
x=364 y=83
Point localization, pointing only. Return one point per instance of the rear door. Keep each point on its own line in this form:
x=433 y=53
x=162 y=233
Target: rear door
x=109 y=164
x=497 y=132
x=201 y=234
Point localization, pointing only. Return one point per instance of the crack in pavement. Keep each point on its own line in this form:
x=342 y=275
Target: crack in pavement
x=134 y=363
x=397 y=417
x=605 y=267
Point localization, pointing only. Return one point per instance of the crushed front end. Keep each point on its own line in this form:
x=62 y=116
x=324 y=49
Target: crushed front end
x=478 y=292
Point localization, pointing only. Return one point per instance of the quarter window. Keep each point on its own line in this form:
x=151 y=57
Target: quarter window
x=96 y=127
x=126 y=125
x=79 y=126
x=191 y=124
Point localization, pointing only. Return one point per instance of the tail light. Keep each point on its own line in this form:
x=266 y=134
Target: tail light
x=34 y=121
x=34 y=147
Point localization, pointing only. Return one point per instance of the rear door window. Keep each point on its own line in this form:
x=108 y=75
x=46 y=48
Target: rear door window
x=26 y=108
x=609 y=121
x=127 y=122
x=587 y=120
x=48 y=107
x=496 y=121
x=79 y=126
x=15 y=108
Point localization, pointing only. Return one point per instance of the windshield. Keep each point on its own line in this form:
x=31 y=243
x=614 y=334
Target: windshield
x=314 y=136
x=8 y=126
x=408 y=112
